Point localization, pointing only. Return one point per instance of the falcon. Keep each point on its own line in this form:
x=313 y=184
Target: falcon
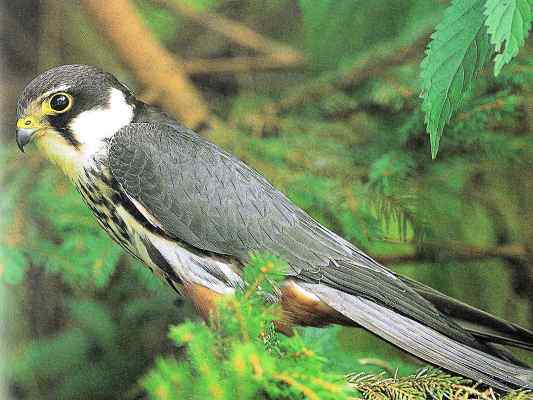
x=194 y=213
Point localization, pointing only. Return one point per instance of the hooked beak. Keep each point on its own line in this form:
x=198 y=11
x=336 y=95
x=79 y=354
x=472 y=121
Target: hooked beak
x=24 y=136
x=26 y=129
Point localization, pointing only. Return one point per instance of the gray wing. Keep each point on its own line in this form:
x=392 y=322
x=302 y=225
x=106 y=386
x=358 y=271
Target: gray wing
x=214 y=202
x=208 y=199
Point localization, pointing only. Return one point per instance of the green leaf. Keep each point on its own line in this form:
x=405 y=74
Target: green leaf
x=508 y=23
x=458 y=49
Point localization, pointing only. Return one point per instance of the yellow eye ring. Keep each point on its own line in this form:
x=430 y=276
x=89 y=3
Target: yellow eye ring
x=58 y=103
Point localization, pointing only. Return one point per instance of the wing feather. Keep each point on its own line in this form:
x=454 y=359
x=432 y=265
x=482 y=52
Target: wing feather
x=207 y=198
x=426 y=343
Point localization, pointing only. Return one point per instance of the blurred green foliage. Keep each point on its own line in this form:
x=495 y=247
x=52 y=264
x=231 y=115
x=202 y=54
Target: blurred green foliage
x=240 y=355
x=326 y=22
x=252 y=360
x=86 y=321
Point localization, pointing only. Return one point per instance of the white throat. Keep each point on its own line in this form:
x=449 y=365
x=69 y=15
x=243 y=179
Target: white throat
x=91 y=128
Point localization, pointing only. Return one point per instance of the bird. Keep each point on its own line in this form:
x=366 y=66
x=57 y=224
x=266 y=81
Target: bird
x=193 y=214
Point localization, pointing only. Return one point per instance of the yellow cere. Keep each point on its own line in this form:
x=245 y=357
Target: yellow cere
x=53 y=146
x=29 y=122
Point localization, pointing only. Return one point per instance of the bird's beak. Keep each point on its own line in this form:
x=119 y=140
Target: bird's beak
x=26 y=129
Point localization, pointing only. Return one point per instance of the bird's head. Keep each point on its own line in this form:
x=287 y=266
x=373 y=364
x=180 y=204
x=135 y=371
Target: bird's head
x=70 y=111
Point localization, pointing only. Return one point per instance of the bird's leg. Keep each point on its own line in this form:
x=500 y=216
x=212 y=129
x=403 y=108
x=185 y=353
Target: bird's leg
x=301 y=307
x=203 y=298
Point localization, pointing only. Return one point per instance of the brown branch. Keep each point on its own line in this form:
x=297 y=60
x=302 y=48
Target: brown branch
x=235 y=31
x=153 y=66
x=236 y=65
x=457 y=252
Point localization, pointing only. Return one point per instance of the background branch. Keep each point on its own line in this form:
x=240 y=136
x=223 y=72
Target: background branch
x=237 y=64
x=236 y=32
x=456 y=251
x=373 y=64
x=151 y=64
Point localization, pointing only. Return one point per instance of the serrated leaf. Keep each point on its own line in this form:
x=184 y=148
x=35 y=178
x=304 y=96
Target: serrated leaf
x=508 y=23
x=458 y=49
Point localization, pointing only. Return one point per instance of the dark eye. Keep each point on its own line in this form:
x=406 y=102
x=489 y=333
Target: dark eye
x=60 y=102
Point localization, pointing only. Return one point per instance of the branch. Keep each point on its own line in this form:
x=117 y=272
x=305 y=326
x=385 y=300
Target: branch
x=236 y=65
x=275 y=55
x=235 y=31
x=153 y=65
x=370 y=65
x=458 y=252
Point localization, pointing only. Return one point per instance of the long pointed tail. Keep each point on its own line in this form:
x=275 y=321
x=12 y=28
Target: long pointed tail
x=481 y=324
x=424 y=342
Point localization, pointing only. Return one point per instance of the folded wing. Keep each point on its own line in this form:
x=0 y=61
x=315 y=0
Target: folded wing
x=214 y=202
